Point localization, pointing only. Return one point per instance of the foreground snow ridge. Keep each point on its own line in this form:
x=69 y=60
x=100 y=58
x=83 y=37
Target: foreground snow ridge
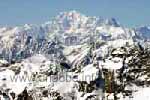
x=75 y=57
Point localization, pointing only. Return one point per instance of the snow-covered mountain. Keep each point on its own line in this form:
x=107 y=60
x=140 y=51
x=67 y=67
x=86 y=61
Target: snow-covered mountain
x=68 y=27
x=74 y=45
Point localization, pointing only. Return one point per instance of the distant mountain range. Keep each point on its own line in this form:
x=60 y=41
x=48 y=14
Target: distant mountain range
x=69 y=28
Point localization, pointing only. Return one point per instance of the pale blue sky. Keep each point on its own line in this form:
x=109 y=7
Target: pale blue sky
x=128 y=12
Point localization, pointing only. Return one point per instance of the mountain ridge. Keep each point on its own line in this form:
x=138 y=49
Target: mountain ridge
x=68 y=28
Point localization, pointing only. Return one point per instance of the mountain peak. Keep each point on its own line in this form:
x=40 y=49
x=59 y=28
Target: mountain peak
x=143 y=32
x=70 y=13
x=112 y=22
